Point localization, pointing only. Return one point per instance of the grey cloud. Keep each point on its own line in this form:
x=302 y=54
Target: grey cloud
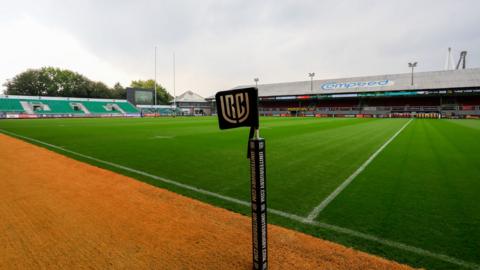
x=220 y=44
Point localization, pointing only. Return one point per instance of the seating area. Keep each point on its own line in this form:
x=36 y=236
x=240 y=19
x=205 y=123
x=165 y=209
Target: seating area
x=35 y=106
x=100 y=107
x=10 y=105
x=127 y=107
x=424 y=105
x=52 y=107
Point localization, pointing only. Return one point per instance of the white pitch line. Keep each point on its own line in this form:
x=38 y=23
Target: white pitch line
x=398 y=245
x=161 y=179
x=319 y=208
x=337 y=229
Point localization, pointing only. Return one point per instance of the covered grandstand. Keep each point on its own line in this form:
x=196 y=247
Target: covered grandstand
x=449 y=93
x=46 y=107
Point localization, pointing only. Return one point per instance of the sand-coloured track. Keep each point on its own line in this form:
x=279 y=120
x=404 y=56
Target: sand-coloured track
x=58 y=213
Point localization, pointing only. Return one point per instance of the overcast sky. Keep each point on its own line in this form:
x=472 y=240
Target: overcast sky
x=222 y=44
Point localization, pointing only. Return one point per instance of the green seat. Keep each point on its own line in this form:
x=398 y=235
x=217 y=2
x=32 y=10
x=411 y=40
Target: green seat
x=56 y=107
x=98 y=107
x=127 y=107
x=64 y=106
x=10 y=105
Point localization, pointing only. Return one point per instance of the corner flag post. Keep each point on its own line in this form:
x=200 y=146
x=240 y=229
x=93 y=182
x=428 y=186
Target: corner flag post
x=239 y=108
x=259 y=201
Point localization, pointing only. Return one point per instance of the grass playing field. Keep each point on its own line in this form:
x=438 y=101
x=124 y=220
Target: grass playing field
x=404 y=189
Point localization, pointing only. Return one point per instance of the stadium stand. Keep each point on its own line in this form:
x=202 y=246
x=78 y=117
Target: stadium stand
x=51 y=107
x=448 y=93
x=10 y=105
x=127 y=107
x=102 y=107
x=34 y=107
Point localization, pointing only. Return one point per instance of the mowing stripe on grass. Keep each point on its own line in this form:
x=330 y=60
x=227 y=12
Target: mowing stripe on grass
x=398 y=245
x=319 y=208
x=303 y=220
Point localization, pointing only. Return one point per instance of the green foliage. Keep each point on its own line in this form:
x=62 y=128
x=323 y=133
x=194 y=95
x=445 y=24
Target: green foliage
x=163 y=97
x=56 y=82
x=119 y=91
x=148 y=84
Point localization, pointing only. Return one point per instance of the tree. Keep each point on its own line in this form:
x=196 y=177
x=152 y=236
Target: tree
x=99 y=90
x=55 y=82
x=119 y=91
x=30 y=82
x=163 y=97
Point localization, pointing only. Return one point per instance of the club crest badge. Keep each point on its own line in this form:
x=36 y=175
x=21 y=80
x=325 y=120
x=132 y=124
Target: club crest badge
x=237 y=108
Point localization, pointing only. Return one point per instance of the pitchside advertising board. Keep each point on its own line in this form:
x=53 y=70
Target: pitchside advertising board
x=239 y=108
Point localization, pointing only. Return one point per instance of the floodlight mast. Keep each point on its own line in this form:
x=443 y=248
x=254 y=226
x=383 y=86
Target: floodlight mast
x=174 y=92
x=412 y=65
x=311 y=75
x=155 y=77
x=462 y=60
x=449 y=60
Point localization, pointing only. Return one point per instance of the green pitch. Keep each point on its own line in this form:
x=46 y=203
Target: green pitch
x=416 y=202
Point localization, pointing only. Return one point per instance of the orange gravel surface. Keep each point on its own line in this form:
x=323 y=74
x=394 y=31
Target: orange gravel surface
x=58 y=213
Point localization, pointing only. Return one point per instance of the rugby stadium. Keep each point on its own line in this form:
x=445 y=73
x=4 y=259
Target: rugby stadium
x=234 y=135
x=350 y=161
x=436 y=94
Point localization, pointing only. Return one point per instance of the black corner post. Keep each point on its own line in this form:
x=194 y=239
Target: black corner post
x=239 y=108
x=259 y=202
